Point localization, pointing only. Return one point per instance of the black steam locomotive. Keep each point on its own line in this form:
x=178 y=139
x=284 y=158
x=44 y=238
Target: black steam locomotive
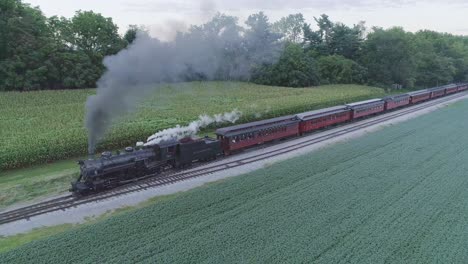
x=111 y=170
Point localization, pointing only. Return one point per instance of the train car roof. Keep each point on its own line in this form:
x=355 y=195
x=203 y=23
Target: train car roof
x=395 y=96
x=253 y=126
x=322 y=112
x=371 y=101
x=419 y=92
x=438 y=88
x=452 y=85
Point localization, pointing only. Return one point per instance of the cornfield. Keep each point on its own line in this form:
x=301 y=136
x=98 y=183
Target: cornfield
x=39 y=127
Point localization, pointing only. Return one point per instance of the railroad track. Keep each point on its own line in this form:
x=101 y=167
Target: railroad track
x=69 y=201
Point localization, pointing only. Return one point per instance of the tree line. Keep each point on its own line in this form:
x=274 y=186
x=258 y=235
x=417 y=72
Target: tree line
x=39 y=52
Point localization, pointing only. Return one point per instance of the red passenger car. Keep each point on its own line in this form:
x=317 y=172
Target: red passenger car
x=462 y=87
x=437 y=92
x=451 y=88
x=366 y=108
x=395 y=101
x=419 y=96
x=321 y=118
x=245 y=135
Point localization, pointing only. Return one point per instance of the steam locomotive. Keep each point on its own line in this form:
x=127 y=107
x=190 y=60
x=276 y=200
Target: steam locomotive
x=111 y=170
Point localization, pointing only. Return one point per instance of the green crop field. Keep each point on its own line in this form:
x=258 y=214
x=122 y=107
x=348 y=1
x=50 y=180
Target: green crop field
x=395 y=196
x=38 y=127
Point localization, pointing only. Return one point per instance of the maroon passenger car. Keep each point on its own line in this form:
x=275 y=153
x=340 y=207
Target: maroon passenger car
x=419 y=96
x=462 y=87
x=366 y=108
x=321 y=118
x=437 y=92
x=451 y=88
x=395 y=101
x=245 y=135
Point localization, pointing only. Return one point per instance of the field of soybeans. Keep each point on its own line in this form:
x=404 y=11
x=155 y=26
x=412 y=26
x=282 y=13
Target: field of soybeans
x=398 y=195
x=43 y=126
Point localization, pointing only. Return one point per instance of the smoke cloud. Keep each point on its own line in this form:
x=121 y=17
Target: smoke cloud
x=217 y=50
x=192 y=129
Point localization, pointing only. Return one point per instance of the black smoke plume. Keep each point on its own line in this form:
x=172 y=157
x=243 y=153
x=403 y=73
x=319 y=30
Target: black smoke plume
x=217 y=50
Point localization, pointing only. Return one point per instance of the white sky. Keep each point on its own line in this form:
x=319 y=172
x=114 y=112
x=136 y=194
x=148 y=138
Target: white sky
x=163 y=17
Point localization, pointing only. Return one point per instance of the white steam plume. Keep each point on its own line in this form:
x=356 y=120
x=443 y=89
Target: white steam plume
x=192 y=129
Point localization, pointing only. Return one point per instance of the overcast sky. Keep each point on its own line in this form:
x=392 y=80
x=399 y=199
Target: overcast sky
x=163 y=17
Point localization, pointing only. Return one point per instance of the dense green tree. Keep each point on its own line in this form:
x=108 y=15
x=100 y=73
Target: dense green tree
x=24 y=46
x=291 y=27
x=295 y=68
x=37 y=52
x=389 y=56
x=450 y=51
x=333 y=38
x=259 y=37
x=131 y=34
x=93 y=34
x=433 y=69
x=346 y=41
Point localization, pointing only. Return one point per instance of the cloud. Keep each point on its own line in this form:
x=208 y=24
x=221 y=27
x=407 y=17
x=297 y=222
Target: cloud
x=162 y=6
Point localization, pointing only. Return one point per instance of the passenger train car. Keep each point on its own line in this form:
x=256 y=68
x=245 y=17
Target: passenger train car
x=318 y=119
x=110 y=170
x=245 y=135
x=232 y=140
